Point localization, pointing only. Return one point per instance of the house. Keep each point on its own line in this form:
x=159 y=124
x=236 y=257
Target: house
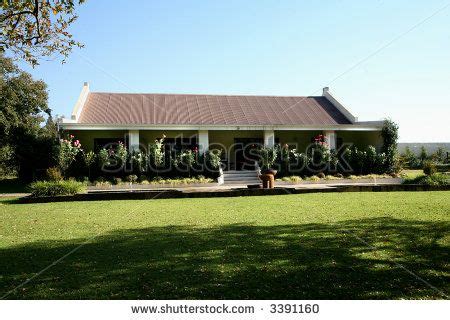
x=227 y=122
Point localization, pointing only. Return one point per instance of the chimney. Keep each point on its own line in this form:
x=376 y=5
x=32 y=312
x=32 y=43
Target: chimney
x=325 y=90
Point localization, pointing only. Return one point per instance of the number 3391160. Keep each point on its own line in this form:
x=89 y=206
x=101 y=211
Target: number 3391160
x=294 y=308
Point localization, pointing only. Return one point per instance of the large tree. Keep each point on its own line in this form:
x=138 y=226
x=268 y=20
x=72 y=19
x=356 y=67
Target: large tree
x=31 y=29
x=25 y=144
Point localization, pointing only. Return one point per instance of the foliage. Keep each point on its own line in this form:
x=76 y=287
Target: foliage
x=67 y=152
x=411 y=159
x=132 y=178
x=365 y=161
x=116 y=180
x=423 y=156
x=55 y=188
x=440 y=155
x=157 y=153
x=26 y=145
x=389 y=133
x=187 y=158
x=319 y=154
x=139 y=161
x=89 y=160
x=429 y=168
x=54 y=174
x=103 y=158
x=116 y=156
x=435 y=179
x=33 y=28
x=7 y=166
x=267 y=157
x=213 y=158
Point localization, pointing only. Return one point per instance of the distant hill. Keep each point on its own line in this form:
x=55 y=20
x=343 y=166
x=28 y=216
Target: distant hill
x=429 y=146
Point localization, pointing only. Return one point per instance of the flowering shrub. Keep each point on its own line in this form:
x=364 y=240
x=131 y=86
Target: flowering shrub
x=213 y=158
x=89 y=159
x=157 y=153
x=68 y=150
x=187 y=158
x=319 y=154
x=115 y=156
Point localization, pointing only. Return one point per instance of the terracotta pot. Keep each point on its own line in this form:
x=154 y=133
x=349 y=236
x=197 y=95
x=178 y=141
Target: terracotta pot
x=269 y=171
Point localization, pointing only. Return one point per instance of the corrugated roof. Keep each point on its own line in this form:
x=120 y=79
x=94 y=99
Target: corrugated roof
x=190 y=109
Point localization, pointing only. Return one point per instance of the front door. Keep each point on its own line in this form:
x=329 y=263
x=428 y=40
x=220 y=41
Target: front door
x=245 y=152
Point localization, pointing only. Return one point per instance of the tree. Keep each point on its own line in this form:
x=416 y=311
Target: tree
x=389 y=133
x=23 y=108
x=423 y=156
x=37 y=28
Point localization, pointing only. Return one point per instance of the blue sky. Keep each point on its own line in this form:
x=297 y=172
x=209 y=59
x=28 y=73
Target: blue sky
x=268 y=48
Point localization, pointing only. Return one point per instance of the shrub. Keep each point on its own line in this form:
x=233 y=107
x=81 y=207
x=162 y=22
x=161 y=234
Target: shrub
x=102 y=183
x=267 y=157
x=294 y=179
x=339 y=175
x=131 y=178
x=429 y=168
x=145 y=182
x=389 y=133
x=313 y=178
x=116 y=181
x=53 y=174
x=321 y=175
x=431 y=180
x=213 y=158
x=142 y=177
x=67 y=152
x=55 y=188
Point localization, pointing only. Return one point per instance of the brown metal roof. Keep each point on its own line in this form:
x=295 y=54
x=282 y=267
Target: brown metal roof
x=186 y=109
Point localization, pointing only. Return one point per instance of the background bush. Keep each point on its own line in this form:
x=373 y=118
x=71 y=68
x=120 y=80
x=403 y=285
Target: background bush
x=55 y=188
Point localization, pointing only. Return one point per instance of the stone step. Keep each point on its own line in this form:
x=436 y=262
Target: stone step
x=241 y=178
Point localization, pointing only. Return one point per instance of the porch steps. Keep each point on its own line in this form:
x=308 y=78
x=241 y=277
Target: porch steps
x=244 y=177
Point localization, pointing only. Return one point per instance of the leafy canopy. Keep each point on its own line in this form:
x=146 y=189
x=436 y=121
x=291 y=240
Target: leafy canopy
x=37 y=28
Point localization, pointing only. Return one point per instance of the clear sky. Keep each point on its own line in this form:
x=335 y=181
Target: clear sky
x=269 y=48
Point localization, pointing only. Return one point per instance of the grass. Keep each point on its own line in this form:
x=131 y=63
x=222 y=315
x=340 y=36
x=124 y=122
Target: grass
x=309 y=246
x=412 y=173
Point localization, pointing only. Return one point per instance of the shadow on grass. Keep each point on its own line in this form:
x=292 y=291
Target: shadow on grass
x=311 y=261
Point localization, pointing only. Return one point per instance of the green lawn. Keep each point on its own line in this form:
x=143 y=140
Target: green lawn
x=309 y=246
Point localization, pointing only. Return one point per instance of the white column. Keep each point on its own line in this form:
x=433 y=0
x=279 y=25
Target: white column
x=133 y=140
x=203 y=140
x=269 y=138
x=330 y=136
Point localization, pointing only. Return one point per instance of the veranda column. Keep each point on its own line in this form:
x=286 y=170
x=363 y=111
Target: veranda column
x=269 y=138
x=203 y=140
x=133 y=140
x=330 y=136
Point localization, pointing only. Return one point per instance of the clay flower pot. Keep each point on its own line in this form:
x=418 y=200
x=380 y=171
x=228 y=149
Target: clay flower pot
x=269 y=171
